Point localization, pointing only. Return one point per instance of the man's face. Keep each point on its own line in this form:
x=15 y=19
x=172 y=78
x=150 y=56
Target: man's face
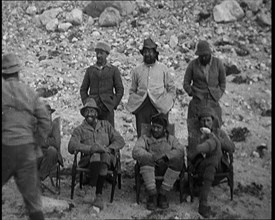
x=206 y=122
x=91 y=115
x=149 y=55
x=158 y=130
x=205 y=59
x=101 y=57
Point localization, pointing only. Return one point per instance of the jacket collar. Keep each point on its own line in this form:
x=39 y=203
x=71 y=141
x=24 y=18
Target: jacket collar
x=102 y=67
x=89 y=127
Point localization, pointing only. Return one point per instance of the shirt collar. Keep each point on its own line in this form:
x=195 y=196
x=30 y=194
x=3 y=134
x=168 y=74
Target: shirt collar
x=102 y=67
x=150 y=65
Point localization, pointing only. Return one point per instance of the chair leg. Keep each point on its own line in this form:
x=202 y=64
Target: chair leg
x=119 y=180
x=231 y=185
x=73 y=184
x=191 y=186
x=137 y=182
x=81 y=180
x=181 y=189
x=114 y=182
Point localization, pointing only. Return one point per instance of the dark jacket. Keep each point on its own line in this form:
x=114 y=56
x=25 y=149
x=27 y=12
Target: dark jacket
x=100 y=84
x=22 y=114
x=196 y=85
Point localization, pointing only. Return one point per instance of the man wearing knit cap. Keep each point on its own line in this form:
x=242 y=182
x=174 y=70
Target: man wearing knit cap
x=102 y=82
x=159 y=153
x=204 y=81
x=152 y=90
x=205 y=150
x=25 y=125
x=98 y=141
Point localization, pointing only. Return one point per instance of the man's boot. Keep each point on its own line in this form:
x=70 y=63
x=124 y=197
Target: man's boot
x=162 y=199
x=36 y=216
x=152 y=200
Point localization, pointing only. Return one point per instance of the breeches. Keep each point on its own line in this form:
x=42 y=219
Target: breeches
x=160 y=168
x=20 y=162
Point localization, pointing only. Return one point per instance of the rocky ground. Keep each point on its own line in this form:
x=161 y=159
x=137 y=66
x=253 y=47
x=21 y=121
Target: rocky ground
x=55 y=56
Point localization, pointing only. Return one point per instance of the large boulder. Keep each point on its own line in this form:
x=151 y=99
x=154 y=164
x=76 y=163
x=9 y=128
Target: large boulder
x=75 y=17
x=52 y=25
x=227 y=11
x=109 y=17
x=49 y=15
x=95 y=8
x=253 y=5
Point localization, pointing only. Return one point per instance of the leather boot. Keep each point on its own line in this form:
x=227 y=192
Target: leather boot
x=162 y=199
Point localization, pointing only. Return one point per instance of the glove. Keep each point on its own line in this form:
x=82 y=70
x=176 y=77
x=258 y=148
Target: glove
x=163 y=159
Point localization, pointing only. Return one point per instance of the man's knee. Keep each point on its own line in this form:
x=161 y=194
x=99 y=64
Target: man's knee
x=51 y=152
x=176 y=163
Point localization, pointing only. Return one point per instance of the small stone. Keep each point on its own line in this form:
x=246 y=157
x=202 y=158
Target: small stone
x=31 y=10
x=74 y=39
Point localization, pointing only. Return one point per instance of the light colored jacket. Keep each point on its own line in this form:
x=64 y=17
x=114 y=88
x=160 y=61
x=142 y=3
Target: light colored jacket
x=23 y=114
x=85 y=136
x=155 y=81
x=147 y=146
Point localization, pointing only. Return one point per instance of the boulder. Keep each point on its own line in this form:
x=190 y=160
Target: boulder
x=49 y=15
x=253 y=5
x=52 y=24
x=75 y=17
x=109 y=17
x=264 y=19
x=95 y=8
x=31 y=10
x=227 y=11
x=64 y=26
x=173 y=41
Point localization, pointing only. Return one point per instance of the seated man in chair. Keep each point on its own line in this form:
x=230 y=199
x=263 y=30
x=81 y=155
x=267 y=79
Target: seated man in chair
x=206 y=144
x=50 y=148
x=159 y=154
x=99 y=141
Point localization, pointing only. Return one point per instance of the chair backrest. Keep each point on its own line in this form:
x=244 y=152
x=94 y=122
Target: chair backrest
x=145 y=129
x=57 y=131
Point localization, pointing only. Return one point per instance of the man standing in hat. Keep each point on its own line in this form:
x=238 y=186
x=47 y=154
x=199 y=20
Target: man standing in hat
x=50 y=148
x=99 y=141
x=204 y=81
x=159 y=153
x=23 y=115
x=205 y=151
x=102 y=82
x=152 y=90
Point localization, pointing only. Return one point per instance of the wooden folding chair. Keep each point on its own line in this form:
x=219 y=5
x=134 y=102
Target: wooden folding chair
x=114 y=174
x=145 y=129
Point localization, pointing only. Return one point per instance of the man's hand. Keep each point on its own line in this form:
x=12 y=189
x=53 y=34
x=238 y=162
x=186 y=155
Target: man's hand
x=96 y=148
x=163 y=159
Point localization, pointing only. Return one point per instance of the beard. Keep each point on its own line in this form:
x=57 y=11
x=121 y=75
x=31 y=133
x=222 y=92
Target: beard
x=91 y=120
x=149 y=59
x=205 y=60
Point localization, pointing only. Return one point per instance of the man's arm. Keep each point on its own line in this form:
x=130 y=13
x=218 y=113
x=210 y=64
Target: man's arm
x=118 y=85
x=116 y=140
x=134 y=85
x=76 y=145
x=139 y=152
x=226 y=143
x=188 y=79
x=177 y=148
x=169 y=84
x=85 y=87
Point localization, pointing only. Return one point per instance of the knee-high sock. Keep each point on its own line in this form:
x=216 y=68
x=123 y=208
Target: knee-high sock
x=148 y=175
x=169 y=179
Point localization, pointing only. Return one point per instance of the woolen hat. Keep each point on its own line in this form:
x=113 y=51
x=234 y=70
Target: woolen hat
x=149 y=43
x=206 y=112
x=103 y=46
x=10 y=64
x=90 y=103
x=160 y=119
x=203 y=48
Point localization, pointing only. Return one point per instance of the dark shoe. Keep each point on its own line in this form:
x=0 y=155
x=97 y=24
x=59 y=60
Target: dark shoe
x=152 y=202
x=206 y=211
x=162 y=201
